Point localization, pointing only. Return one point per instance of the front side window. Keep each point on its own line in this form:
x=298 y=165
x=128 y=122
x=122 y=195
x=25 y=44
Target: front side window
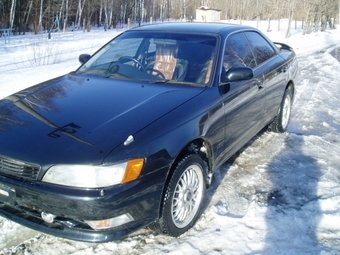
x=237 y=52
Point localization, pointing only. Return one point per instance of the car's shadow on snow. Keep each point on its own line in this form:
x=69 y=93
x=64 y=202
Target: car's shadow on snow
x=226 y=185
x=286 y=186
x=293 y=209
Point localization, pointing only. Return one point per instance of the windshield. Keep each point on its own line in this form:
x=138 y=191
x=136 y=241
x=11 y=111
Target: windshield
x=155 y=57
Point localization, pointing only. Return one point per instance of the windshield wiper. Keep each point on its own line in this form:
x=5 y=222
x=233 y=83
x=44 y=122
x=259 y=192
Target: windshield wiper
x=159 y=81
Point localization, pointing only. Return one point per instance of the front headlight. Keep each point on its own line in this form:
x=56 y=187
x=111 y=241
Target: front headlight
x=94 y=176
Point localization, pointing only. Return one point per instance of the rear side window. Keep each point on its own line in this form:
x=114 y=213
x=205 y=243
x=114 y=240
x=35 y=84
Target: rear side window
x=261 y=48
x=238 y=52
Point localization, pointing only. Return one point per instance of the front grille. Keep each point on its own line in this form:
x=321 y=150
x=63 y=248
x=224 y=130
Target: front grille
x=19 y=169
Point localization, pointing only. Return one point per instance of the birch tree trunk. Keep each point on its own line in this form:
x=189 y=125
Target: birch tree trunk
x=102 y=3
x=111 y=13
x=60 y=15
x=291 y=6
x=338 y=11
x=80 y=11
x=66 y=16
x=268 y=27
x=124 y=11
x=12 y=13
x=105 y=14
x=40 y=15
x=27 y=14
x=289 y=23
x=141 y=11
x=161 y=16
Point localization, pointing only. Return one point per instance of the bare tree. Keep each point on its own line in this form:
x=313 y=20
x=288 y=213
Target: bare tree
x=27 y=14
x=66 y=15
x=290 y=8
x=12 y=13
x=90 y=7
x=81 y=4
x=40 y=14
x=37 y=14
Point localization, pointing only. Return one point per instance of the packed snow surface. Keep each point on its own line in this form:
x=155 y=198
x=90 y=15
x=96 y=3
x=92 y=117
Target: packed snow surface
x=279 y=195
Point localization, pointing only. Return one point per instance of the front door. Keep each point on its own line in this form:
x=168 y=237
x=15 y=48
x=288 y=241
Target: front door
x=243 y=101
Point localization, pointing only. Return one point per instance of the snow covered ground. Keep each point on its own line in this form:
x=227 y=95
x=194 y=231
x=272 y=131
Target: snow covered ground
x=279 y=195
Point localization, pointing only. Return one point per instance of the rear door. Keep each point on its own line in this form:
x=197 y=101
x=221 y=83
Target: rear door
x=270 y=63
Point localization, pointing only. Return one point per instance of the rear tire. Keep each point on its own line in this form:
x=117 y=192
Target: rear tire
x=183 y=196
x=281 y=121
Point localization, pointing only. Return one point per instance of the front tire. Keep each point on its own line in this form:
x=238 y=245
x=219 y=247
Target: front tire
x=183 y=196
x=280 y=123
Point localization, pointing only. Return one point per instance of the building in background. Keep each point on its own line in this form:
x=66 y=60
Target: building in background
x=206 y=14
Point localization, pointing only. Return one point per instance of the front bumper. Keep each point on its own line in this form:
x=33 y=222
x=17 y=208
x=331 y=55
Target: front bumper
x=23 y=202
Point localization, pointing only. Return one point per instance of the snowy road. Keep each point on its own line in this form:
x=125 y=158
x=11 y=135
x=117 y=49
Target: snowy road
x=279 y=195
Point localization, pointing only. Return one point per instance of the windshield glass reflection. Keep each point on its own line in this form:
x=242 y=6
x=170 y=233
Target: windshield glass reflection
x=156 y=57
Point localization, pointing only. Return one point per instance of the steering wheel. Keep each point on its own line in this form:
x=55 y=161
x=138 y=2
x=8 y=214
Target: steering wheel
x=138 y=64
x=156 y=72
x=151 y=70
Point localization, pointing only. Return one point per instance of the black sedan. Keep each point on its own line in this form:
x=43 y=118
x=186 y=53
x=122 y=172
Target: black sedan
x=134 y=136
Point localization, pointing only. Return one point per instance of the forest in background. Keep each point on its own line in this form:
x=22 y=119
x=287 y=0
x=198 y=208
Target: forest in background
x=62 y=15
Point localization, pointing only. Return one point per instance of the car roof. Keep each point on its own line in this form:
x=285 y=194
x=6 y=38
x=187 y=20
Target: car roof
x=195 y=27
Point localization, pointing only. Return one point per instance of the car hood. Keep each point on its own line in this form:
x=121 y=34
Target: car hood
x=80 y=119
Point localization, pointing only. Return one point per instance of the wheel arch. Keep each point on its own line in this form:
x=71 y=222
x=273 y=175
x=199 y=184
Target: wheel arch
x=197 y=146
x=291 y=85
x=201 y=147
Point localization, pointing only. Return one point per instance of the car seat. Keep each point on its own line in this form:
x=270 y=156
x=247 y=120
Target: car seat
x=166 y=61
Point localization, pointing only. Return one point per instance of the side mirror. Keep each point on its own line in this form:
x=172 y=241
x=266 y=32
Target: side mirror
x=239 y=74
x=83 y=58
